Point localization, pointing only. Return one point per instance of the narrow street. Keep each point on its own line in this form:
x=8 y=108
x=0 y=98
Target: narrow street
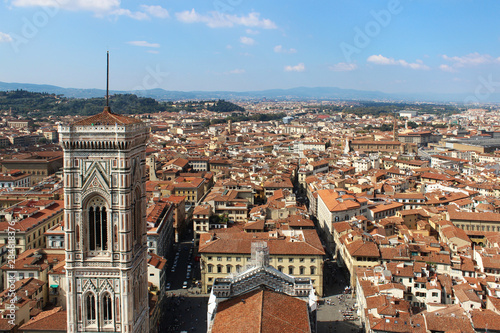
x=185 y=309
x=336 y=310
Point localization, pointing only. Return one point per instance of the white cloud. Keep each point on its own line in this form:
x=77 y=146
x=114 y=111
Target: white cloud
x=96 y=6
x=280 y=49
x=153 y=51
x=229 y=47
x=343 y=67
x=447 y=68
x=100 y=8
x=252 y=32
x=247 y=40
x=297 y=68
x=143 y=43
x=472 y=59
x=156 y=11
x=5 y=38
x=237 y=71
x=381 y=60
x=221 y=20
x=133 y=15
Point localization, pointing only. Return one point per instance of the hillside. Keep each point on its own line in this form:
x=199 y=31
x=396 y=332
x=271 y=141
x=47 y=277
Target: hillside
x=33 y=104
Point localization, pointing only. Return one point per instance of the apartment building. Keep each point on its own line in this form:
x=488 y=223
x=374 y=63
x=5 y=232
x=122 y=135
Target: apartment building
x=31 y=219
x=295 y=252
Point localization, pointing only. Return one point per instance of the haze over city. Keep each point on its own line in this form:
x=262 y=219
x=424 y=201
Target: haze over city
x=389 y=46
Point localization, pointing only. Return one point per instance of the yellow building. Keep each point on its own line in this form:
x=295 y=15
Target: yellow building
x=295 y=252
x=190 y=187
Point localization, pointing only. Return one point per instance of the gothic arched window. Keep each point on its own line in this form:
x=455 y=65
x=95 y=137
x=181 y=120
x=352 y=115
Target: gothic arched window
x=90 y=308
x=98 y=225
x=137 y=218
x=107 y=309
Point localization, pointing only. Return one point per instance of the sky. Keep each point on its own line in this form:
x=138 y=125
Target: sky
x=393 y=46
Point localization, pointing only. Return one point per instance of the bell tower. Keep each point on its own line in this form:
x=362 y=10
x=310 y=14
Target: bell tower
x=105 y=229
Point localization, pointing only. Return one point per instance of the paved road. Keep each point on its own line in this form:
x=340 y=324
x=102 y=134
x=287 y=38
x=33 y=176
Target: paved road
x=336 y=303
x=185 y=309
x=186 y=312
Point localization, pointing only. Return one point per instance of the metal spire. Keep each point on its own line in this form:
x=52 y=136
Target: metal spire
x=107 y=81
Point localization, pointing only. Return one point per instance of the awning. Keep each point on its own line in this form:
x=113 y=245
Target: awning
x=54 y=286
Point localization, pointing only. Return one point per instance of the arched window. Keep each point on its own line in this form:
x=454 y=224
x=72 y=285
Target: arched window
x=229 y=268
x=115 y=237
x=107 y=309
x=77 y=236
x=238 y=268
x=313 y=270
x=302 y=270
x=290 y=270
x=117 y=303
x=90 y=308
x=136 y=295
x=137 y=218
x=210 y=268
x=98 y=226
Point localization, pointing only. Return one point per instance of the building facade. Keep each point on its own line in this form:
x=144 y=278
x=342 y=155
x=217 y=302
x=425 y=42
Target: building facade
x=294 y=252
x=105 y=229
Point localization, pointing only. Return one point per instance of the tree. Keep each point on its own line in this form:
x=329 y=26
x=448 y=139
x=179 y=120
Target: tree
x=412 y=124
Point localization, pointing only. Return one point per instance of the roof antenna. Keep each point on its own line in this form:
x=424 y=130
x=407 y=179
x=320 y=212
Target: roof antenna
x=107 y=82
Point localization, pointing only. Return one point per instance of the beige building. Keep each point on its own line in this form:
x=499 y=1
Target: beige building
x=201 y=220
x=353 y=249
x=31 y=219
x=295 y=252
x=39 y=164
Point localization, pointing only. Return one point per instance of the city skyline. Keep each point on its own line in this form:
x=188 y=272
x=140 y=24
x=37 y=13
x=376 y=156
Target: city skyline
x=390 y=46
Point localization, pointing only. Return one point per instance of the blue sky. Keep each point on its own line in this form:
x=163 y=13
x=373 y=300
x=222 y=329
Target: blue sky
x=441 y=46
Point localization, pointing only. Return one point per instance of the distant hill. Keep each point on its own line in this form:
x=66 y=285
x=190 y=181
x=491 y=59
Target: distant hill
x=33 y=104
x=299 y=93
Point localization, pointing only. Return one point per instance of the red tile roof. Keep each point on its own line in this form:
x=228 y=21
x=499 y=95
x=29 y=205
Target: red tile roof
x=233 y=241
x=262 y=311
x=335 y=203
x=52 y=320
x=106 y=117
x=156 y=261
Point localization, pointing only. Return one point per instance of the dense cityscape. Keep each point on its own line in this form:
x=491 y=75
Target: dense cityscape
x=233 y=166
x=372 y=220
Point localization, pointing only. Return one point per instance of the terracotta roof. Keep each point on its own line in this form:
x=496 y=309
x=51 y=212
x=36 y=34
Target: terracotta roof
x=366 y=142
x=4 y=324
x=262 y=311
x=156 y=261
x=381 y=208
x=474 y=216
x=34 y=220
x=231 y=240
x=485 y=320
x=456 y=321
x=335 y=203
x=106 y=117
x=360 y=248
x=52 y=320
